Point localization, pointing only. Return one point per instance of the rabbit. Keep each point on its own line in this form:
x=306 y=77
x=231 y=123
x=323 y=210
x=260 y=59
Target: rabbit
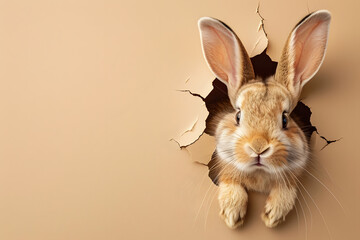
x=258 y=145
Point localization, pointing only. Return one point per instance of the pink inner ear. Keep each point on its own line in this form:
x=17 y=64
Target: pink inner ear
x=229 y=58
x=221 y=51
x=214 y=53
x=309 y=45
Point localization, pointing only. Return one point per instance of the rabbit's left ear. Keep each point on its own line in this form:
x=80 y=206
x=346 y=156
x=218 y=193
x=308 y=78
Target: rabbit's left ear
x=304 y=52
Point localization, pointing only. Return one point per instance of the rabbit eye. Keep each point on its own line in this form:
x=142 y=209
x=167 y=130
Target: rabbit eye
x=238 y=115
x=284 y=120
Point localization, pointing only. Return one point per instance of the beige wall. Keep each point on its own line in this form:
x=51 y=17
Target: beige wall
x=88 y=105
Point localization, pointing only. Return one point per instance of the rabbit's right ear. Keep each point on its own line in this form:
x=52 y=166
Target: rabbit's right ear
x=225 y=55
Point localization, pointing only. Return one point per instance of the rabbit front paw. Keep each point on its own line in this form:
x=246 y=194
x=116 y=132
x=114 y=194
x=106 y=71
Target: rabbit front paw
x=233 y=216
x=233 y=203
x=278 y=205
x=273 y=215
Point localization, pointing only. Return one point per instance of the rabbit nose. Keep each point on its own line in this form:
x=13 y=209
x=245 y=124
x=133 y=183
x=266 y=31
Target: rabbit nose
x=259 y=145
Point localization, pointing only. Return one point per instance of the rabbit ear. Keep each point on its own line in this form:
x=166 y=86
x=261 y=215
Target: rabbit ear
x=304 y=52
x=225 y=55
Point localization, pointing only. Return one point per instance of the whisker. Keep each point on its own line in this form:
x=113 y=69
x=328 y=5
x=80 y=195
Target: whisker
x=202 y=202
x=322 y=216
x=322 y=185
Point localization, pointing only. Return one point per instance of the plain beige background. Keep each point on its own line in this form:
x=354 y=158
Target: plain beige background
x=88 y=105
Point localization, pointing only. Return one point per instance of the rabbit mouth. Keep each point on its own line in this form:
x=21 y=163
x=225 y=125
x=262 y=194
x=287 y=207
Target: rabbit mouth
x=258 y=162
x=259 y=165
